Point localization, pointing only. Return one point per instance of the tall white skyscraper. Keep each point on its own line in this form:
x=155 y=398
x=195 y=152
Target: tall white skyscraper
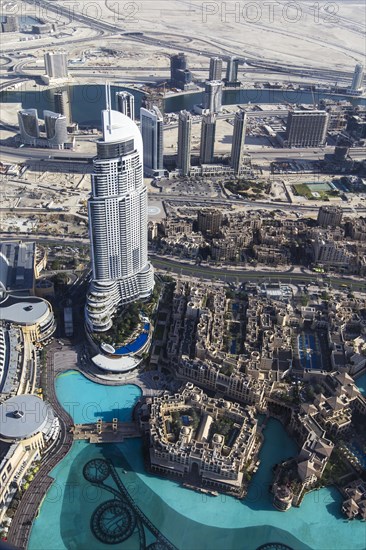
x=126 y=104
x=215 y=72
x=212 y=99
x=121 y=272
x=232 y=70
x=208 y=131
x=237 y=148
x=152 y=127
x=184 y=142
x=357 y=79
x=56 y=129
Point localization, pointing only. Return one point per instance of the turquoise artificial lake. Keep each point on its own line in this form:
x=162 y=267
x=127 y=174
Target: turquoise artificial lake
x=189 y=520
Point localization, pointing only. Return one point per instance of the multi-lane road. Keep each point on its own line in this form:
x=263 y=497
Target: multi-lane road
x=289 y=275
x=224 y=273
x=273 y=154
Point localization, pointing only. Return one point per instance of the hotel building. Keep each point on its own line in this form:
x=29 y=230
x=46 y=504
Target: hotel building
x=117 y=210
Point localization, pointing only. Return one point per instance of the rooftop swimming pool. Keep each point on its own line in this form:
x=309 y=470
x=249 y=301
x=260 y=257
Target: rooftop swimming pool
x=76 y=511
x=309 y=352
x=136 y=344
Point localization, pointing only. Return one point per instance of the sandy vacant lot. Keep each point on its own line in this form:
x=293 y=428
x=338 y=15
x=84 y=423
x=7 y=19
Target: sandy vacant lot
x=305 y=33
x=329 y=34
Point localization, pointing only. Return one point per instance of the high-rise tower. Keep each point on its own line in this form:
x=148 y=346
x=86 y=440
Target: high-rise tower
x=28 y=126
x=237 y=148
x=118 y=221
x=215 y=72
x=152 y=127
x=62 y=104
x=180 y=75
x=357 y=79
x=212 y=99
x=232 y=68
x=126 y=104
x=184 y=142
x=56 y=129
x=208 y=131
x=307 y=128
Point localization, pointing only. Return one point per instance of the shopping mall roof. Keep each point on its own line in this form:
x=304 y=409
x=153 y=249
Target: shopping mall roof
x=23 y=311
x=23 y=416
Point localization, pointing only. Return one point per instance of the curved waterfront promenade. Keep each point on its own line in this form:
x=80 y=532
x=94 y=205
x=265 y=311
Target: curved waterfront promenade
x=27 y=510
x=20 y=529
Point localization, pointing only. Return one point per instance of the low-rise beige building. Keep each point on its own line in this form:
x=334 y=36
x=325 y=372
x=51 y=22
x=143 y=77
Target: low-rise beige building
x=203 y=440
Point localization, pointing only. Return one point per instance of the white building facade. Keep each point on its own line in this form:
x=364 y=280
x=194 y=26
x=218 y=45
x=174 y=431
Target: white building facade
x=118 y=221
x=152 y=127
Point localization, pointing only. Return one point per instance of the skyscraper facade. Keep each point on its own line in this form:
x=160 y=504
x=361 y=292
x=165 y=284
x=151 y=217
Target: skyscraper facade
x=208 y=131
x=118 y=222
x=56 y=129
x=126 y=104
x=357 y=79
x=180 y=75
x=232 y=68
x=215 y=72
x=212 y=99
x=307 y=128
x=28 y=126
x=56 y=64
x=151 y=127
x=184 y=142
x=237 y=148
x=62 y=104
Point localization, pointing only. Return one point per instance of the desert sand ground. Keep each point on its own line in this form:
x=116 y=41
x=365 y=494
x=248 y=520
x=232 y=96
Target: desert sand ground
x=329 y=36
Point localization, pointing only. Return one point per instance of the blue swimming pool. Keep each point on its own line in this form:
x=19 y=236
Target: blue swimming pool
x=358 y=453
x=361 y=384
x=138 y=343
x=308 y=353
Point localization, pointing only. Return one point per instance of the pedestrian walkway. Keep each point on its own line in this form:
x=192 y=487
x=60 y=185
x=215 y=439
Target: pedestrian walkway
x=28 y=507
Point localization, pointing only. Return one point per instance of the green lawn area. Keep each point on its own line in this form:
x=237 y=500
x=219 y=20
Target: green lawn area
x=302 y=189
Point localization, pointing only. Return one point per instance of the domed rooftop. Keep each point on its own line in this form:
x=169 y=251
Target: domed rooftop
x=23 y=416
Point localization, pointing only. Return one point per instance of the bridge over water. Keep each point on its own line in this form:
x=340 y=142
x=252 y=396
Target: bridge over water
x=105 y=432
